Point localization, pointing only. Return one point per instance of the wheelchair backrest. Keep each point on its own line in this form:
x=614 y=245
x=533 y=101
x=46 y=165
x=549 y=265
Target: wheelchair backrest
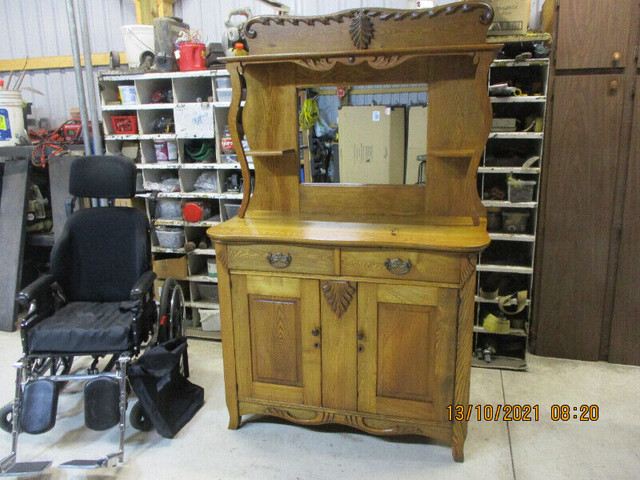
x=102 y=251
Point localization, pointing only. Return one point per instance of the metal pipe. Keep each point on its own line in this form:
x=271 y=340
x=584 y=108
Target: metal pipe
x=77 y=67
x=91 y=89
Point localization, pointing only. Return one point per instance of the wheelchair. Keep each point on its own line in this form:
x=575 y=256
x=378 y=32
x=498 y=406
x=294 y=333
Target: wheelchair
x=96 y=303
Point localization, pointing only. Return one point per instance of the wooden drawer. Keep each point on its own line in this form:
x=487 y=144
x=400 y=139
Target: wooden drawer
x=281 y=258
x=401 y=264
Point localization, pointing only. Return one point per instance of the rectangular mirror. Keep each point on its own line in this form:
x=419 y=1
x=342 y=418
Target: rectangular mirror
x=368 y=134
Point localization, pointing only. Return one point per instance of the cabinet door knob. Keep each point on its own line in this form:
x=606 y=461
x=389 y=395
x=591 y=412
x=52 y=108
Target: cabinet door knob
x=613 y=85
x=360 y=336
x=397 y=265
x=315 y=332
x=617 y=56
x=279 y=260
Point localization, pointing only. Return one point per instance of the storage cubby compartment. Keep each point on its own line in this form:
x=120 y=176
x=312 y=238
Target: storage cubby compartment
x=231 y=181
x=169 y=237
x=528 y=116
x=199 y=151
x=530 y=80
x=157 y=90
x=223 y=81
x=168 y=209
x=512 y=153
x=490 y=347
x=110 y=93
x=204 y=292
x=161 y=180
x=197 y=236
x=194 y=89
x=199 y=180
x=156 y=121
x=126 y=148
x=121 y=122
x=229 y=209
x=508 y=253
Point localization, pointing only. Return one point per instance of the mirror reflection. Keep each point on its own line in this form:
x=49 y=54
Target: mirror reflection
x=373 y=134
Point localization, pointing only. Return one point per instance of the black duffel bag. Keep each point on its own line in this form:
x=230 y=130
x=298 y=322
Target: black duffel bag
x=165 y=394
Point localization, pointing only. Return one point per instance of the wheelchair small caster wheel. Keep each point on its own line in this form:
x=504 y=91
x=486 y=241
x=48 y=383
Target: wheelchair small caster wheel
x=6 y=417
x=139 y=418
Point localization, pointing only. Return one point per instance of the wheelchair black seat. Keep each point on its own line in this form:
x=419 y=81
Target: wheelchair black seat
x=84 y=327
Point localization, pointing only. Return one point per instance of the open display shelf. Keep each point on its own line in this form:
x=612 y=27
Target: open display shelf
x=508 y=263
x=194 y=106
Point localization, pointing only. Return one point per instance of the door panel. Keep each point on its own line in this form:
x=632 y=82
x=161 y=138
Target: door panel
x=276 y=356
x=625 y=327
x=583 y=159
x=593 y=33
x=407 y=350
x=339 y=355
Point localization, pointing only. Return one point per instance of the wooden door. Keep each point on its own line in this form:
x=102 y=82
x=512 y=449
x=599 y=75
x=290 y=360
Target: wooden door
x=578 y=207
x=276 y=354
x=624 y=344
x=595 y=34
x=406 y=350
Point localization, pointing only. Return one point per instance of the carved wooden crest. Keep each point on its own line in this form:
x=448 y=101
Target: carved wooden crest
x=361 y=29
x=338 y=295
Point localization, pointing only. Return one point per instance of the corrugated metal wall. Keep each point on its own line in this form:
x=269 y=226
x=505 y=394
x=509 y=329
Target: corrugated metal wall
x=38 y=28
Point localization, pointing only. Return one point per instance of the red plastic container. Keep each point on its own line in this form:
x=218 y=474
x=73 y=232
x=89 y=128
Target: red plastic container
x=191 y=56
x=125 y=124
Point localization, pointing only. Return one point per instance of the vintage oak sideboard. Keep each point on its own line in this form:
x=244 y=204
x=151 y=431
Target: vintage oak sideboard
x=353 y=304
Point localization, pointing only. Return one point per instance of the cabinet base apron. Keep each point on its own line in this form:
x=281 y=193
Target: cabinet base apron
x=370 y=423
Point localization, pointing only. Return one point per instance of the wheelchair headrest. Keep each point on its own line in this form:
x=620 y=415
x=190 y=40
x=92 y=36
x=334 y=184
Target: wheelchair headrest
x=102 y=176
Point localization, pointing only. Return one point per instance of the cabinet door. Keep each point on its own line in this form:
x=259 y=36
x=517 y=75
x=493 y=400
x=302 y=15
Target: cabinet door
x=406 y=350
x=594 y=34
x=579 y=203
x=276 y=355
x=625 y=327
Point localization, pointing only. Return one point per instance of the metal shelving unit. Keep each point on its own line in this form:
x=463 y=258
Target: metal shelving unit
x=200 y=98
x=509 y=260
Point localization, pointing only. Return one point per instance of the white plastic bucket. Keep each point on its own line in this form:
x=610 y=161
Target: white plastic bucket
x=11 y=118
x=137 y=39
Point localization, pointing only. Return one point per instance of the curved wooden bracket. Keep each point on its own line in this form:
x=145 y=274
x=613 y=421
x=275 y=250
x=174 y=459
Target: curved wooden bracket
x=235 y=113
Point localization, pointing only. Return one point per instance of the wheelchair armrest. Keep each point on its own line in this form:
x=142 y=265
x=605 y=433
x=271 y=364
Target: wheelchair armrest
x=143 y=285
x=34 y=290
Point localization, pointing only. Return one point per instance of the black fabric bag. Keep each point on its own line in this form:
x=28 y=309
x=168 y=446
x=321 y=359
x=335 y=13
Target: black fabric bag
x=167 y=397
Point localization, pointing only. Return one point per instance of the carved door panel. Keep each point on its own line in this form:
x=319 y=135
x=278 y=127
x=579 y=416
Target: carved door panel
x=406 y=350
x=277 y=356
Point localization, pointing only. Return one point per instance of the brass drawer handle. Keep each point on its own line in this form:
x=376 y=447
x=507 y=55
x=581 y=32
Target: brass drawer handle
x=397 y=266
x=279 y=260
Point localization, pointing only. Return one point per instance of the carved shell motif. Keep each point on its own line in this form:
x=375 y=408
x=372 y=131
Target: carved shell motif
x=338 y=295
x=361 y=29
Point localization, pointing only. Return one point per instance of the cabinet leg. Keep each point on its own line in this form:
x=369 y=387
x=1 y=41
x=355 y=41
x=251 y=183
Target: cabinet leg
x=457 y=451
x=234 y=420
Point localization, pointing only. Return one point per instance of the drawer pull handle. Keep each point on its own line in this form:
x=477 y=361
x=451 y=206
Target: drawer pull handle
x=279 y=260
x=397 y=266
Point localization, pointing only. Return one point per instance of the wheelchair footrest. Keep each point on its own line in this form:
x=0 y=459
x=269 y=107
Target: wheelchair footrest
x=101 y=403
x=39 y=406
x=25 y=468
x=110 y=460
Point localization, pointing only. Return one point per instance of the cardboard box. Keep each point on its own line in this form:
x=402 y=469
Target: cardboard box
x=416 y=142
x=371 y=145
x=170 y=267
x=510 y=17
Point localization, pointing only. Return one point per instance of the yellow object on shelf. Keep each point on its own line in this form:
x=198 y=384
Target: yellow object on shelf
x=494 y=324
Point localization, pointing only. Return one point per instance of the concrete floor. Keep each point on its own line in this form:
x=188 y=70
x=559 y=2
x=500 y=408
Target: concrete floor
x=270 y=449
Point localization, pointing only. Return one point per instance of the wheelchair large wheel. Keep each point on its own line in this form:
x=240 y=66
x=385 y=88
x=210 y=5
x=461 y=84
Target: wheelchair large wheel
x=171 y=312
x=6 y=417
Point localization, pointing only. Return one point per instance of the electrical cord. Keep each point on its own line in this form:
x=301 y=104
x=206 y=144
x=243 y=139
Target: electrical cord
x=53 y=143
